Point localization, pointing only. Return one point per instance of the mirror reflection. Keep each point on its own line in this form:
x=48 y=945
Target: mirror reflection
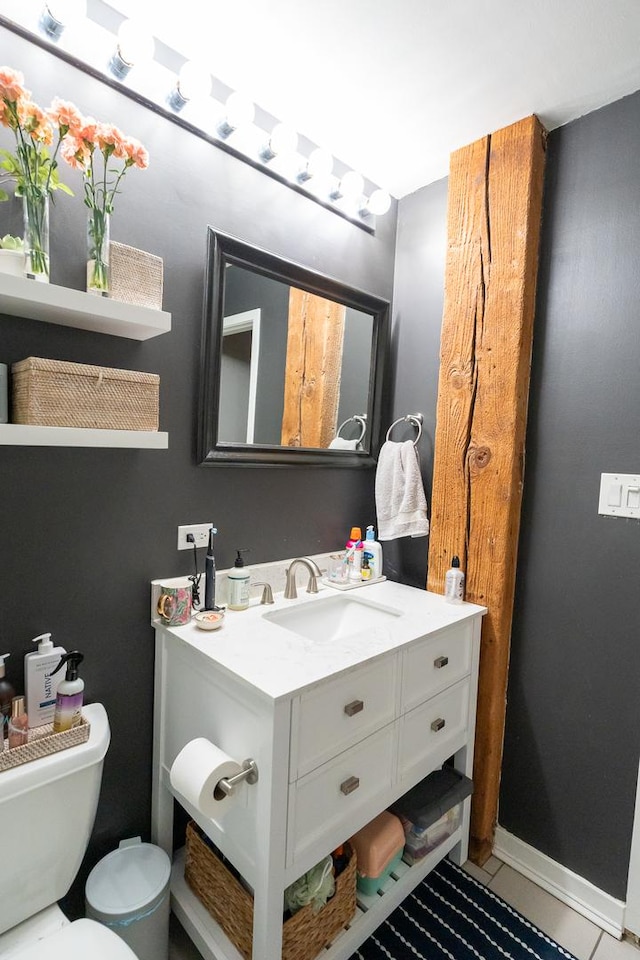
x=291 y=361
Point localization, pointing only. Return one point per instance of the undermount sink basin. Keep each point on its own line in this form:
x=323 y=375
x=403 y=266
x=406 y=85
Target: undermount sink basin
x=333 y=618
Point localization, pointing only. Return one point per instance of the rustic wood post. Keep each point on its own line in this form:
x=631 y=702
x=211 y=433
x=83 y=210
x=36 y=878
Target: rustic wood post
x=494 y=212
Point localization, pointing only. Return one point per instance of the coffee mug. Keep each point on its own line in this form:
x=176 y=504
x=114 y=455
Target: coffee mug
x=174 y=603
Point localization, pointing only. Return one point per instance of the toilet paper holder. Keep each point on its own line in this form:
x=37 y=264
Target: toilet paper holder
x=227 y=785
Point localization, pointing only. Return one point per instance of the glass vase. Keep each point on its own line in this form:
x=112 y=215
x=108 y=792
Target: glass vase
x=35 y=210
x=98 y=226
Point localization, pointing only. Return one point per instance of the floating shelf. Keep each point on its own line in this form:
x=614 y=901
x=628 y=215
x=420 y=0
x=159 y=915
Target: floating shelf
x=21 y=297
x=15 y=434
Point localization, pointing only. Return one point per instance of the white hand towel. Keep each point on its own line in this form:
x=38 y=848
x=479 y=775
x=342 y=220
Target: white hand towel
x=339 y=444
x=401 y=505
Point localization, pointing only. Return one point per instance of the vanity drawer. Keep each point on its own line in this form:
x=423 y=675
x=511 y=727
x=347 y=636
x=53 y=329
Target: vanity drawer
x=433 y=731
x=328 y=802
x=332 y=717
x=435 y=663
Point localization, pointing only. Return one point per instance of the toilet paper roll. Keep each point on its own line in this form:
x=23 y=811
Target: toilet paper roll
x=196 y=771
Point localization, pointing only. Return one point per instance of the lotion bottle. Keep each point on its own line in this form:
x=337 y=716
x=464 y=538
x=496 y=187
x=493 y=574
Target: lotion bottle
x=239 y=578
x=454 y=583
x=7 y=693
x=40 y=686
x=68 y=711
x=374 y=550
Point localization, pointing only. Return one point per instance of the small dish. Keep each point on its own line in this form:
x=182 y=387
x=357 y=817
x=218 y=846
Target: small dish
x=209 y=619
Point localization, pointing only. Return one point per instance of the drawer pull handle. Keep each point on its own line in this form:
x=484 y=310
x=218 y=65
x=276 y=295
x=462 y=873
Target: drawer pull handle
x=437 y=725
x=440 y=662
x=354 y=707
x=349 y=785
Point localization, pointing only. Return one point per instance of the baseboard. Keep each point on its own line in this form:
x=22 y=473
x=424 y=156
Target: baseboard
x=579 y=894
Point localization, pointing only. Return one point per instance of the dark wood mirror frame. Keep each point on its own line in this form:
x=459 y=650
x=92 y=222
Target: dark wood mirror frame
x=223 y=250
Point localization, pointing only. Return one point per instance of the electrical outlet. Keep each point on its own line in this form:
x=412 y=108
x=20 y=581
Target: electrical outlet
x=200 y=533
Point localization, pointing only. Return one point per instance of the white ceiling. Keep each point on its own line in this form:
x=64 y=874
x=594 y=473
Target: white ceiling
x=391 y=87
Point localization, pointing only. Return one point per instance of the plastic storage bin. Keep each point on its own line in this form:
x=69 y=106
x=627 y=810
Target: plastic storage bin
x=431 y=811
x=378 y=846
x=128 y=891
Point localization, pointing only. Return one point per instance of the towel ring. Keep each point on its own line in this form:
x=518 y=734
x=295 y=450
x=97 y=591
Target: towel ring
x=361 y=419
x=414 y=418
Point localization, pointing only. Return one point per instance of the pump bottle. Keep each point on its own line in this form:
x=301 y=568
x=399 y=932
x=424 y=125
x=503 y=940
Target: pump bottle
x=373 y=550
x=454 y=583
x=40 y=687
x=7 y=693
x=68 y=711
x=239 y=577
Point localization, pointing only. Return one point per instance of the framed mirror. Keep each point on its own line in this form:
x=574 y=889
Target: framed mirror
x=292 y=362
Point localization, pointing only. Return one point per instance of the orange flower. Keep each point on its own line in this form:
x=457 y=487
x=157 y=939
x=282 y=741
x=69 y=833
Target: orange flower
x=75 y=152
x=136 y=154
x=110 y=136
x=35 y=122
x=12 y=85
x=87 y=130
x=65 y=114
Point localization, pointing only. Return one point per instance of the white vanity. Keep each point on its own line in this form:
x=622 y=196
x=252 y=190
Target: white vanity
x=340 y=725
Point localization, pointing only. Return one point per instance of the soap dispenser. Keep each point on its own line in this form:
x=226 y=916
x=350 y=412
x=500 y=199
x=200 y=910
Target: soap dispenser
x=68 y=711
x=40 y=686
x=239 y=577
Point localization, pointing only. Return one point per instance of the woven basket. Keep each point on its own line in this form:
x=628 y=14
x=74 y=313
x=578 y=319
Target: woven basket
x=42 y=742
x=56 y=393
x=135 y=276
x=304 y=935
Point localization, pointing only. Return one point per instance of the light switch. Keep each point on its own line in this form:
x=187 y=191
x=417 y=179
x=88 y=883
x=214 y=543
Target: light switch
x=615 y=495
x=620 y=495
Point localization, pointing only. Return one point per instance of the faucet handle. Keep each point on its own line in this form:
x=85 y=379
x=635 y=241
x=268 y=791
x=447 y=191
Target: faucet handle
x=267 y=592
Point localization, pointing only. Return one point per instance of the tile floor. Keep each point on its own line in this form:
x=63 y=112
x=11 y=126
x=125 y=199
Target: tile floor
x=576 y=934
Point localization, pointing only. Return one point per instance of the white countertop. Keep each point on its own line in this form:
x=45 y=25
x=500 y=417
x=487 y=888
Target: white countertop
x=278 y=663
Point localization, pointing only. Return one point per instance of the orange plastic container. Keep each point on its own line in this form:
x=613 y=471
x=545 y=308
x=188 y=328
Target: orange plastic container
x=378 y=847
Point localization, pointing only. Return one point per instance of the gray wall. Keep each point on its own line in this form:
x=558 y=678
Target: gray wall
x=572 y=736
x=83 y=531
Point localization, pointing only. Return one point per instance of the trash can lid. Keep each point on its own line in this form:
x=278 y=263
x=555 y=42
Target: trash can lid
x=128 y=879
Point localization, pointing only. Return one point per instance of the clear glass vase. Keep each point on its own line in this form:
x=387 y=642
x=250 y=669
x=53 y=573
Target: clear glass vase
x=35 y=210
x=98 y=225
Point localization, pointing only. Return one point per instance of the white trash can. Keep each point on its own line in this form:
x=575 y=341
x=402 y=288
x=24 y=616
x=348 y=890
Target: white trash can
x=128 y=891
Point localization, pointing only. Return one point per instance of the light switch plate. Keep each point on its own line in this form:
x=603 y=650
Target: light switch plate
x=620 y=495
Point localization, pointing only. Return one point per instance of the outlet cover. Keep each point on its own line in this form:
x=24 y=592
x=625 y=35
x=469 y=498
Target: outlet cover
x=200 y=533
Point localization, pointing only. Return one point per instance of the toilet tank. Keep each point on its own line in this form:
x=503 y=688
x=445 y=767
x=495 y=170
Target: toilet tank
x=47 y=810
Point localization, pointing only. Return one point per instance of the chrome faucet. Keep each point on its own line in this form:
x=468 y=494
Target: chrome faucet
x=290 y=592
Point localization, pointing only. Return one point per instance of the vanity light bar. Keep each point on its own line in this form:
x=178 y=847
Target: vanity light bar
x=98 y=50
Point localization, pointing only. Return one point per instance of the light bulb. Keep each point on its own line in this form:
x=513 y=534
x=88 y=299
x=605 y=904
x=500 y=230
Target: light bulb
x=319 y=164
x=58 y=14
x=194 y=81
x=135 y=45
x=240 y=112
x=377 y=204
x=351 y=185
x=282 y=140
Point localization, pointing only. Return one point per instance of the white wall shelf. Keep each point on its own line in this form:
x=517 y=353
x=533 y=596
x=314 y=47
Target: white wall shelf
x=21 y=297
x=15 y=434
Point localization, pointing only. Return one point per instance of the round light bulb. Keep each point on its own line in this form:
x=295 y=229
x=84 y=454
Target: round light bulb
x=240 y=111
x=378 y=203
x=351 y=185
x=135 y=43
x=194 y=81
x=66 y=11
x=283 y=139
x=320 y=163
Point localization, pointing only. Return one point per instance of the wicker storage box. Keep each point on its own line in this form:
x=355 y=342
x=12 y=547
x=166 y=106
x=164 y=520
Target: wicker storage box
x=55 y=393
x=304 y=935
x=42 y=742
x=135 y=276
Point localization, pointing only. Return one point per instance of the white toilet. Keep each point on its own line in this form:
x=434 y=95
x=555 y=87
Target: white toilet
x=47 y=810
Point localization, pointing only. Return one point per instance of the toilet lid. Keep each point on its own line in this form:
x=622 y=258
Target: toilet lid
x=77 y=941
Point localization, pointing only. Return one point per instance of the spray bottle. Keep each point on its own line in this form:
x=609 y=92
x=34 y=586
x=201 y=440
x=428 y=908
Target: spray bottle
x=68 y=711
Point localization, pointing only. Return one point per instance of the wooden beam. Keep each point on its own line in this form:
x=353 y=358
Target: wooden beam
x=313 y=369
x=494 y=213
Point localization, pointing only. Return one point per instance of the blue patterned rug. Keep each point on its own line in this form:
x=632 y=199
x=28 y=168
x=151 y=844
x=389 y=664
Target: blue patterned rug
x=451 y=916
